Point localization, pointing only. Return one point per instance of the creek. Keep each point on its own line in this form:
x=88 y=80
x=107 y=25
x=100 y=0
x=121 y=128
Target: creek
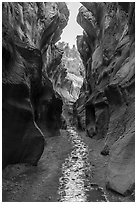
x=75 y=184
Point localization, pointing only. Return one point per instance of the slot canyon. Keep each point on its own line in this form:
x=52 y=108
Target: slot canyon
x=68 y=112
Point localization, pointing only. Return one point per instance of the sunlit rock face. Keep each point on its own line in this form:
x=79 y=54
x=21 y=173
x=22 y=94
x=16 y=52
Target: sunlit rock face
x=29 y=30
x=75 y=70
x=68 y=77
x=107 y=49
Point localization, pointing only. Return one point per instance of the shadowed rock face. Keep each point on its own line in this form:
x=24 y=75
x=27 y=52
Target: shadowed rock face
x=54 y=113
x=28 y=31
x=18 y=119
x=107 y=51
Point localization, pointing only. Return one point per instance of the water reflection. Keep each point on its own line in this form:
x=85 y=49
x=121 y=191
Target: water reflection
x=75 y=185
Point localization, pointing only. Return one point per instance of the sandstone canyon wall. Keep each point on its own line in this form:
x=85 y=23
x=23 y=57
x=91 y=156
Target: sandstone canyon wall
x=29 y=33
x=106 y=106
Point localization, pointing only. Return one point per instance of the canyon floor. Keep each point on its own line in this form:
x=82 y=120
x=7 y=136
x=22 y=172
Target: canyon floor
x=70 y=169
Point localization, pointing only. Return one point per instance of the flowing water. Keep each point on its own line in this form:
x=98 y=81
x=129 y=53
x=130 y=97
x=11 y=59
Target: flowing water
x=76 y=181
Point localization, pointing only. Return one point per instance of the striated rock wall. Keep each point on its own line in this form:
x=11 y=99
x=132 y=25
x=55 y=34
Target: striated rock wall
x=107 y=48
x=29 y=31
x=67 y=78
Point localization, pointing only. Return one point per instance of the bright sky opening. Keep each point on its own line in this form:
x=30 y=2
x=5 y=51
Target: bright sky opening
x=72 y=29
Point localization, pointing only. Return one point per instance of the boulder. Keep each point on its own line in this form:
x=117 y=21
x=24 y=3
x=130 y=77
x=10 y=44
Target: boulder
x=121 y=167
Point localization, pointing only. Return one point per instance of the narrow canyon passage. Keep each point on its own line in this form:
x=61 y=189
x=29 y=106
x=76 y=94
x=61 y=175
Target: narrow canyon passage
x=62 y=175
x=68 y=101
x=71 y=169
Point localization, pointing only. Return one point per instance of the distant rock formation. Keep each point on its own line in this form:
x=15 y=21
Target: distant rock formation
x=105 y=108
x=29 y=33
x=68 y=78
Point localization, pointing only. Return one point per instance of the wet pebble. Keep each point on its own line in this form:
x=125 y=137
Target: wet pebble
x=94 y=185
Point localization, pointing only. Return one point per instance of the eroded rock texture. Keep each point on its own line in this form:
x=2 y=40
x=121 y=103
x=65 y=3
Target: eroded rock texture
x=107 y=48
x=29 y=31
x=66 y=78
